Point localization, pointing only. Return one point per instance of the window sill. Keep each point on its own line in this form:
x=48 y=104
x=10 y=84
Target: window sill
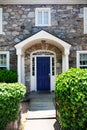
x=37 y=25
x=2 y=33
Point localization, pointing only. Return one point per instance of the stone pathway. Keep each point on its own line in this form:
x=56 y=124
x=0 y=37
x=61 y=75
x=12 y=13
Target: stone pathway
x=41 y=114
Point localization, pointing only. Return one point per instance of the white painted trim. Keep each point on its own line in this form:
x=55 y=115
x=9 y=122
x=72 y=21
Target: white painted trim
x=42 y=35
x=42 y=10
x=19 y=68
x=23 y=70
x=85 y=20
x=78 y=57
x=33 y=80
x=8 y=60
x=53 y=77
x=65 y=62
x=1 y=21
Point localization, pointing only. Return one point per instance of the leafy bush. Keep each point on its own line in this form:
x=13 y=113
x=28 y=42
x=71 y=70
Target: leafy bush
x=8 y=76
x=10 y=97
x=71 y=94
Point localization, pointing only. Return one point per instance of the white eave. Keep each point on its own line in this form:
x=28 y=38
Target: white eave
x=38 y=37
x=32 y=2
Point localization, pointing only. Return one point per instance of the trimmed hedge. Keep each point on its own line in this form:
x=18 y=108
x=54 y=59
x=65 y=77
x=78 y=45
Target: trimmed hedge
x=10 y=96
x=8 y=76
x=71 y=95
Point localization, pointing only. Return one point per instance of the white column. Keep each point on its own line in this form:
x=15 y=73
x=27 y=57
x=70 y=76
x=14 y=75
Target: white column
x=19 y=68
x=63 y=63
x=23 y=70
x=65 y=60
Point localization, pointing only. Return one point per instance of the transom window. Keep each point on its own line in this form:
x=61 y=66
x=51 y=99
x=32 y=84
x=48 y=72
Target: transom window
x=4 y=60
x=42 y=17
x=43 y=53
x=82 y=59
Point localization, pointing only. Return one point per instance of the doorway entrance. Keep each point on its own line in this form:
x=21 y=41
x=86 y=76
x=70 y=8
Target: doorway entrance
x=43 y=73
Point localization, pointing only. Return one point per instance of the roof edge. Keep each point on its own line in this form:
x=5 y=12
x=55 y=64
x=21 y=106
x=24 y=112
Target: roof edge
x=67 y=2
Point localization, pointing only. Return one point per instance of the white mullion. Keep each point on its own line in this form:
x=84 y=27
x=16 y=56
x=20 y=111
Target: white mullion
x=42 y=17
x=78 y=59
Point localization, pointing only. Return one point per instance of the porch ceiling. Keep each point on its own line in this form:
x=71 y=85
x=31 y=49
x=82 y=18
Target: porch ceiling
x=38 y=38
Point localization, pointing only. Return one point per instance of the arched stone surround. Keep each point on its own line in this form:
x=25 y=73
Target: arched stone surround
x=41 y=41
x=41 y=46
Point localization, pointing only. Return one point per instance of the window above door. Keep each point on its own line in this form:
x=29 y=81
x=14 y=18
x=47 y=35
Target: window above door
x=42 y=17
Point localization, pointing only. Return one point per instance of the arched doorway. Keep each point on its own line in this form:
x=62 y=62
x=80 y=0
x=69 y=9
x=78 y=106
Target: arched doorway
x=34 y=40
x=43 y=70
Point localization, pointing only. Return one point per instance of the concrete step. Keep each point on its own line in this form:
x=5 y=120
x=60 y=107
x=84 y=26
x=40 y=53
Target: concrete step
x=41 y=106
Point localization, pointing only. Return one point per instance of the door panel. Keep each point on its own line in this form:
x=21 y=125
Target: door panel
x=43 y=71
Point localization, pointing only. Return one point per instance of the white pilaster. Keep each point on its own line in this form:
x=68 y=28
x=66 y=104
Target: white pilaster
x=63 y=63
x=65 y=59
x=19 y=68
x=23 y=70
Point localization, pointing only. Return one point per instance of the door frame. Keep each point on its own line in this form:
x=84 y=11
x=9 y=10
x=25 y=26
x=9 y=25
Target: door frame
x=33 y=78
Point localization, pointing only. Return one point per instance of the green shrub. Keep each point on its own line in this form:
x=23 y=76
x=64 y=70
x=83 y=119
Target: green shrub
x=10 y=97
x=8 y=76
x=71 y=94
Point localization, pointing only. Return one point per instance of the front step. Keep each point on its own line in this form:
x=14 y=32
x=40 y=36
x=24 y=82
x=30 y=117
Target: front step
x=41 y=106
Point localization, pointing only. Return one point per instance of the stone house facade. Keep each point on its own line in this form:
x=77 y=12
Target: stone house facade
x=42 y=39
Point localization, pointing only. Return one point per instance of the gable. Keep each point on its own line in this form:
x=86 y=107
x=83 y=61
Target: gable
x=43 y=35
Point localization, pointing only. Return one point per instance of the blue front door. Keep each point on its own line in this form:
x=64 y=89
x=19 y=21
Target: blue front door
x=43 y=73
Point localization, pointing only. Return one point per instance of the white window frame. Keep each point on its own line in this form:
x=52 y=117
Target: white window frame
x=1 y=21
x=42 y=10
x=78 y=57
x=85 y=20
x=7 y=54
x=33 y=86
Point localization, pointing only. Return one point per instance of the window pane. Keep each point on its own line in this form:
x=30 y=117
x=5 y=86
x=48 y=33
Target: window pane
x=53 y=69
x=39 y=17
x=45 y=17
x=33 y=66
x=83 y=60
x=2 y=60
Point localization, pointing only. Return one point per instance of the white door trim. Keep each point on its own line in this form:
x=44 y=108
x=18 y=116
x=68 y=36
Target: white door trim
x=33 y=78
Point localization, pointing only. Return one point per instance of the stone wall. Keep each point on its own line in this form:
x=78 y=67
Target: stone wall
x=66 y=23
